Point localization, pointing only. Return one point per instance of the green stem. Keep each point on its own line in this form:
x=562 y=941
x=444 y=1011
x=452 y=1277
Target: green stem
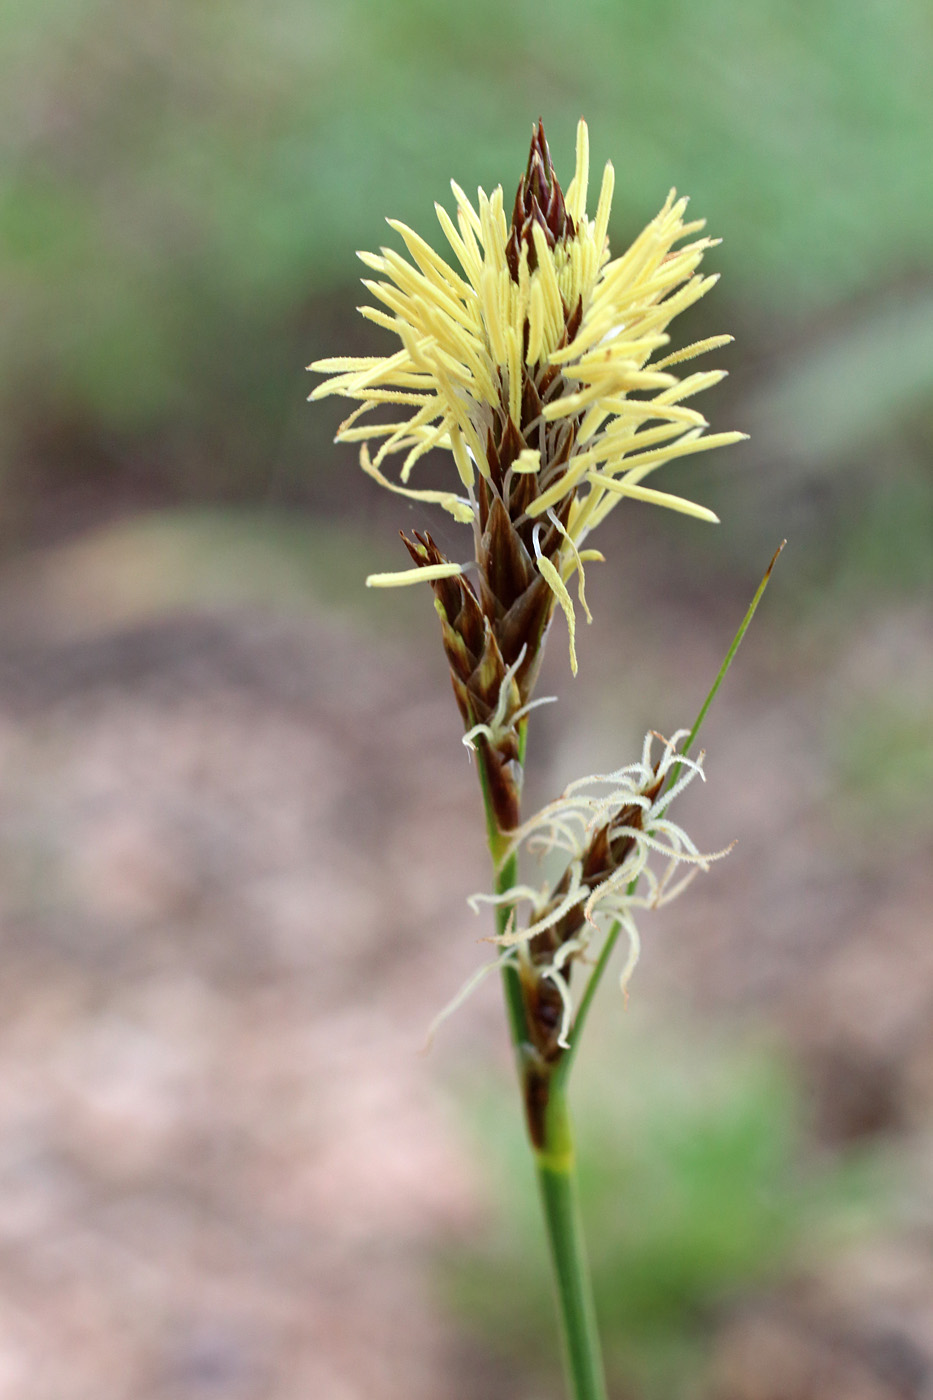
x=554 y=1160
x=557 y=1183
x=511 y=982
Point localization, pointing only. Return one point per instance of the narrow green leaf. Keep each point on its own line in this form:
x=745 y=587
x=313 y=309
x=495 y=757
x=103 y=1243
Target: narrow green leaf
x=563 y=1068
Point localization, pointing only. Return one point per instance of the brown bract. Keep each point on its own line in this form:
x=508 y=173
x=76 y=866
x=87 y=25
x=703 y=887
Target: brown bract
x=539 y=200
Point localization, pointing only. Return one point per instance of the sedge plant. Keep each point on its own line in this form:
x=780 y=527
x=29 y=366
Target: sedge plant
x=539 y=361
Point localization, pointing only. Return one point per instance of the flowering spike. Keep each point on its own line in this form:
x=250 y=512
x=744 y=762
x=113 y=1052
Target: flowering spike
x=532 y=364
x=610 y=839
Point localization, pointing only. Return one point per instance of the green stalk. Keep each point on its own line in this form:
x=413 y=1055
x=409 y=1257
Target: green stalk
x=557 y=1182
x=555 y=1161
x=511 y=982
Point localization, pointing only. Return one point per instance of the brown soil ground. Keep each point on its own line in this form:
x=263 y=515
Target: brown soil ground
x=234 y=850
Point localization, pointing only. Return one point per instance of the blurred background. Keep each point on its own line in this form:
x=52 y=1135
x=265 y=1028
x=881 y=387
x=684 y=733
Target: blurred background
x=237 y=826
